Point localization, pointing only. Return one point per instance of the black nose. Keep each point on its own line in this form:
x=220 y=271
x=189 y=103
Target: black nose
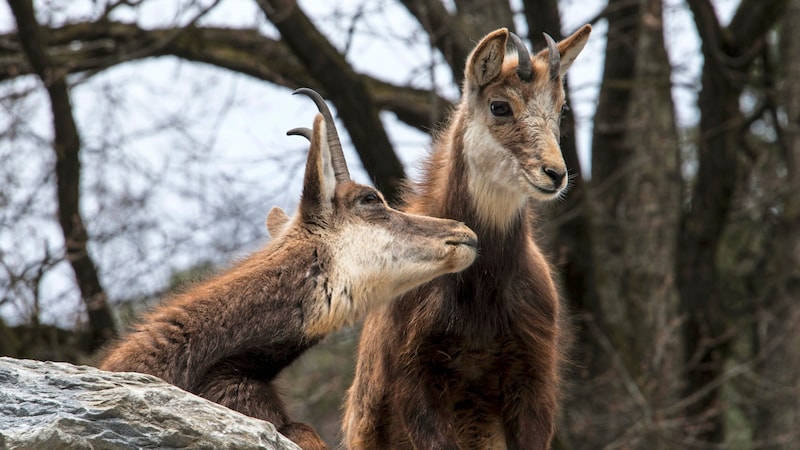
x=555 y=175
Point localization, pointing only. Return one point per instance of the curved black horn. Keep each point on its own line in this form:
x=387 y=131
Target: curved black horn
x=555 y=56
x=335 y=146
x=524 y=69
x=300 y=131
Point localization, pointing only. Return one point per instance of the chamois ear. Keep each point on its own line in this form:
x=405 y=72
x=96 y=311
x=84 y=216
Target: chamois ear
x=319 y=183
x=277 y=221
x=568 y=48
x=485 y=62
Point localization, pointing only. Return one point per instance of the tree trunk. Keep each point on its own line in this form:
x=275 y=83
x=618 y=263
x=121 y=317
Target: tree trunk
x=778 y=326
x=635 y=200
x=728 y=55
x=66 y=145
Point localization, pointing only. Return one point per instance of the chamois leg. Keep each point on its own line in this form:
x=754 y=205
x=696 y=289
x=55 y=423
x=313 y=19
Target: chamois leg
x=529 y=422
x=426 y=421
x=303 y=435
x=256 y=398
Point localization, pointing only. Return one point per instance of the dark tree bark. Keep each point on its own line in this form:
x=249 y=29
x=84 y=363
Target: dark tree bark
x=635 y=200
x=777 y=328
x=67 y=146
x=728 y=56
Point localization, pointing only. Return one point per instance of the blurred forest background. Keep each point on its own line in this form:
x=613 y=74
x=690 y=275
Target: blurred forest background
x=131 y=161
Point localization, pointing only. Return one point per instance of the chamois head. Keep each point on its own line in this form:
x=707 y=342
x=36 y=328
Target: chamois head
x=374 y=252
x=513 y=105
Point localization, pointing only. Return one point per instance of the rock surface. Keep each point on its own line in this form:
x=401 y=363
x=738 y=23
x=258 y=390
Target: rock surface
x=46 y=405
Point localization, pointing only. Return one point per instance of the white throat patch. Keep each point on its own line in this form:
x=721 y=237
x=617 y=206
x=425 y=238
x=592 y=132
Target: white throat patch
x=359 y=278
x=493 y=178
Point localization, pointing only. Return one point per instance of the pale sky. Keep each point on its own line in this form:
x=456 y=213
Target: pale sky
x=241 y=124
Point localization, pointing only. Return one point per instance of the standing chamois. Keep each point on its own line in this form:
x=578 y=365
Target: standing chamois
x=344 y=252
x=471 y=360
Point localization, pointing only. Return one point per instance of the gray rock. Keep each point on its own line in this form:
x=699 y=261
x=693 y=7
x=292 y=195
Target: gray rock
x=46 y=405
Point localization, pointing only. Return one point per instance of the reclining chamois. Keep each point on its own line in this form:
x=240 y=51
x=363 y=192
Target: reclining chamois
x=471 y=360
x=344 y=252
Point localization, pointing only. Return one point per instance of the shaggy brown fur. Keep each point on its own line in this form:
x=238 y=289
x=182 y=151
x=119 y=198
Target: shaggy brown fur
x=470 y=360
x=345 y=251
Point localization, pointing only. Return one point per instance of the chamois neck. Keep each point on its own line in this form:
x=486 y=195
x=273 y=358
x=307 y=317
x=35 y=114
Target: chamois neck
x=467 y=179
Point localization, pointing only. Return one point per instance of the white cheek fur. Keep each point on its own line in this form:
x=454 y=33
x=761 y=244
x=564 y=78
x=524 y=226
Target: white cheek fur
x=369 y=266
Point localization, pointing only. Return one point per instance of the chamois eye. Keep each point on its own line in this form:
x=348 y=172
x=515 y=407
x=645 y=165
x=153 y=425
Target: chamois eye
x=500 y=109
x=370 y=199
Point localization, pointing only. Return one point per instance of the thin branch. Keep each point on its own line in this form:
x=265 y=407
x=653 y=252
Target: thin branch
x=445 y=31
x=351 y=29
x=155 y=46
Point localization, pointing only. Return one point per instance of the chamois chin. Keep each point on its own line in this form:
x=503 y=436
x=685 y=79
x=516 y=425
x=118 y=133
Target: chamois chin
x=471 y=361
x=344 y=252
